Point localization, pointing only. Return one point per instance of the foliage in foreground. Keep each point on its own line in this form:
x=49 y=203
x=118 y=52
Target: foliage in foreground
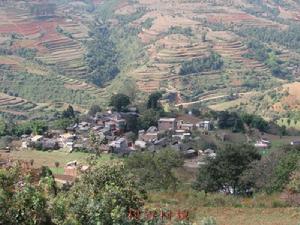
x=104 y=195
x=155 y=170
x=223 y=172
x=101 y=196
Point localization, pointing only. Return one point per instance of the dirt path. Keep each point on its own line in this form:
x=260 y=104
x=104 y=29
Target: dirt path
x=185 y=104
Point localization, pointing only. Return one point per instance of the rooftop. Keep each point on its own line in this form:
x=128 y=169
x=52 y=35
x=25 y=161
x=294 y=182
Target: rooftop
x=167 y=119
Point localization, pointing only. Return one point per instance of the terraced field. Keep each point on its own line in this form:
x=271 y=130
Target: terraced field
x=166 y=33
x=59 y=52
x=184 y=30
x=15 y=105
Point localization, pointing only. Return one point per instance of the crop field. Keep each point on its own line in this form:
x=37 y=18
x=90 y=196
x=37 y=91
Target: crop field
x=59 y=52
x=154 y=39
x=168 y=47
x=49 y=158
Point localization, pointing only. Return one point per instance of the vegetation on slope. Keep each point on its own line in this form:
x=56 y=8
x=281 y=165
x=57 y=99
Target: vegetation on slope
x=212 y=62
x=102 y=57
x=41 y=89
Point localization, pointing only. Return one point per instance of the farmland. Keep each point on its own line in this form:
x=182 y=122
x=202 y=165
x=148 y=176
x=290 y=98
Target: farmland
x=151 y=42
x=193 y=29
x=49 y=158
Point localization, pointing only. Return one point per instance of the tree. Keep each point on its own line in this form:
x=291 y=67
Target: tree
x=31 y=162
x=148 y=118
x=223 y=172
x=104 y=195
x=23 y=196
x=119 y=101
x=230 y=120
x=261 y=173
x=69 y=112
x=153 y=100
x=155 y=170
x=62 y=123
x=212 y=62
x=131 y=123
x=286 y=166
x=3 y=128
x=43 y=9
x=56 y=166
x=273 y=171
x=102 y=57
x=94 y=110
x=38 y=127
x=203 y=36
x=195 y=112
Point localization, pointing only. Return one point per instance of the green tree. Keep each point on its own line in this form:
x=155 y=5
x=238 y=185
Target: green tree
x=69 y=112
x=286 y=166
x=37 y=127
x=223 y=172
x=3 y=128
x=132 y=123
x=23 y=196
x=155 y=170
x=104 y=195
x=153 y=100
x=102 y=57
x=119 y=101
x=213 y=62
x=148 y=118
x=94 y=110
x=62 y=123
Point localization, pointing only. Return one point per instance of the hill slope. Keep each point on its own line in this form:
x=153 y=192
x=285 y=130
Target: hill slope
x=152 y=45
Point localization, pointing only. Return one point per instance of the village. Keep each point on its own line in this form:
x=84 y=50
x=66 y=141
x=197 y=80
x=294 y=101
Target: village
x=107 y=133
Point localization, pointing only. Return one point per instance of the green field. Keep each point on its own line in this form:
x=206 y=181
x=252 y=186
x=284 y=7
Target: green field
x=49 y=158
x=227 y=210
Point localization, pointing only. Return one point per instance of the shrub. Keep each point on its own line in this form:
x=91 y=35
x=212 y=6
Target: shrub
x=208 y=221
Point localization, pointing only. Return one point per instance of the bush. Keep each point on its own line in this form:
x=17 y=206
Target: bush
x=212 y=62
x=208 y=221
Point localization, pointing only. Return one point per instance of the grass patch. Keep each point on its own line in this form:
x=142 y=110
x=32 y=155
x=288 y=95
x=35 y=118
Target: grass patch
x=228 y=210
x=49 y=158
x=59 y=170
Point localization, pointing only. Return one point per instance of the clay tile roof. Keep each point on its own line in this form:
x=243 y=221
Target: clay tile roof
x=188 y=119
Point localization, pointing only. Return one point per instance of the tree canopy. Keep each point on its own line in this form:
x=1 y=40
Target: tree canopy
x=102 y=58
x=223 y=172
x=213 y=62
x=153 y=99
x=119 y=101
x=155 y=170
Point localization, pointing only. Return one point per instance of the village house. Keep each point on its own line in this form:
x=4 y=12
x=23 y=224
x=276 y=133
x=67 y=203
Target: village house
x=181 y=135
x=67 y=141
x=187 y=122
x=205 y=125
x=150 y=135
x=71 y=171
x=158 y=144
x=119 y=146
x=138 y=144
x=167 y=124
x=84 y=127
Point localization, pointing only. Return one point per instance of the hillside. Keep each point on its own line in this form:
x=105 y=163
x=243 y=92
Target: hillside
x=81 y=52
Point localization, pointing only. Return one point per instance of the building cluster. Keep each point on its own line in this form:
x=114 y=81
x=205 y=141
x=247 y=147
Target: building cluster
x=172 y=132
x=106 y=132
